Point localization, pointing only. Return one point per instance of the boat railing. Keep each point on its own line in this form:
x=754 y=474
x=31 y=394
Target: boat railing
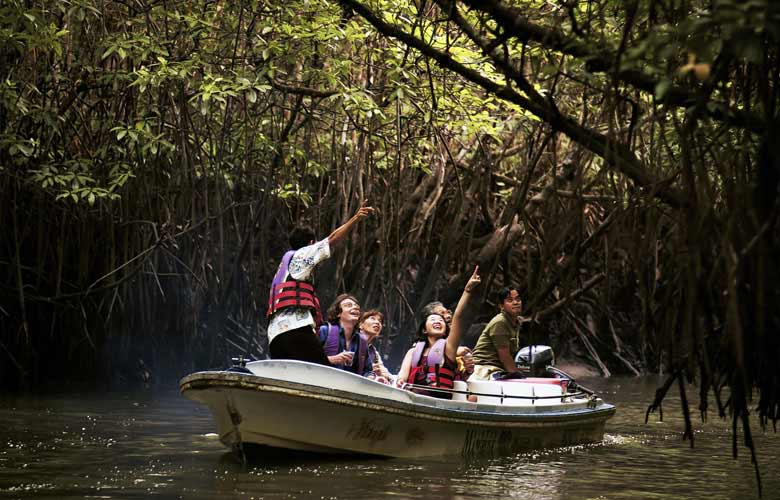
x=501 y=396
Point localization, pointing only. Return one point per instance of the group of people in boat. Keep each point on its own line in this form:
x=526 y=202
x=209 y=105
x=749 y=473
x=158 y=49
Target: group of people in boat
x=345 y=338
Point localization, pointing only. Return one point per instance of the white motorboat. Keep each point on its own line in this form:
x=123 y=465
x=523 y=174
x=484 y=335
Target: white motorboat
x=302 y=406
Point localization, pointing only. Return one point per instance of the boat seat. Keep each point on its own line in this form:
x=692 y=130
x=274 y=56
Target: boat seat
x=535 y=380
x=528 y=390
x=484 y=387
x=563 y=382
x=460 y=385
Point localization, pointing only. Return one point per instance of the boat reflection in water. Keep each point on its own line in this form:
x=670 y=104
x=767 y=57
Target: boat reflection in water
x=294 y=405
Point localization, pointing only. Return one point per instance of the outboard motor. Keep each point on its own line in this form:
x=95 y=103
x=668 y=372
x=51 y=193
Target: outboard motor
x=535 y=358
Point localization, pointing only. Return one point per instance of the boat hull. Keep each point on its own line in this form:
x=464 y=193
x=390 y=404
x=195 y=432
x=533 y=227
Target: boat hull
x=379 y=420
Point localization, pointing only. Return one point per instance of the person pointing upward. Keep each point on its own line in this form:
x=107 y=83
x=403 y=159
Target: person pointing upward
x=293 y=306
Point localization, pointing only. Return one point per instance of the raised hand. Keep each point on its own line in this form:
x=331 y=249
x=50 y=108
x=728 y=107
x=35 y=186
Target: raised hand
x=364 y=210
x=457 y=327
x=340 y=233
x=474 y=281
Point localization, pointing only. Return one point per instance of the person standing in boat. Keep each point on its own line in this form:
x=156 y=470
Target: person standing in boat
x=293 y=307
x=431 y=361
x=494 y=354
x=370 y=325
x=340 y=337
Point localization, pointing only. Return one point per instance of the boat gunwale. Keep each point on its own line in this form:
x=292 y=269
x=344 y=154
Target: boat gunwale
x=252 y=382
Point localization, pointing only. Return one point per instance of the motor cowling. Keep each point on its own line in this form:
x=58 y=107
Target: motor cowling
x=535 y=357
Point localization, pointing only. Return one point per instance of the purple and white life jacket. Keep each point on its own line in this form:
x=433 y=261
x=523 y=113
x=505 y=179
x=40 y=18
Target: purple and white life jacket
x=331 y=347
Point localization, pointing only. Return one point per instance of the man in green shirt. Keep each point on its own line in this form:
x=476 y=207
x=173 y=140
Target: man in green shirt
x=500 y=340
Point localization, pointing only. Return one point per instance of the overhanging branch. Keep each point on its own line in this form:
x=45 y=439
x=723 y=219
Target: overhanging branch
x=516 y=25
x=615 y=153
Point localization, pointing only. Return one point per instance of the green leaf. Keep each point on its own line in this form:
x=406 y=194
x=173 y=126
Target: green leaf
x=25 y=149
x=661 y=88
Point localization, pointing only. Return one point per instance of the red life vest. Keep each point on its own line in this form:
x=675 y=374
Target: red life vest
x=287 y=292
x=433 y=369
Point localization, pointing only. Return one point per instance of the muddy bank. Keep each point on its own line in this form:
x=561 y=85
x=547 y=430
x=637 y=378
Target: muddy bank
x=577 y=368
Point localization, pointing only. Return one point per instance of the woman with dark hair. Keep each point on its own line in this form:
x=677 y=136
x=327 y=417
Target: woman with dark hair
x=431 y=361
x=499 y=342
x=370 y=325
x=339 y=337
x=464 y=357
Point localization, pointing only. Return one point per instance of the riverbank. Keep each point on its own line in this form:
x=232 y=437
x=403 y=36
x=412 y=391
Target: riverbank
x=577 y=368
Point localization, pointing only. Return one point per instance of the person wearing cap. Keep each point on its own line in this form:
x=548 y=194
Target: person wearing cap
x=494 y=354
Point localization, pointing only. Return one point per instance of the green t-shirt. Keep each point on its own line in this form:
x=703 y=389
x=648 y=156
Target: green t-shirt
x=500 y=332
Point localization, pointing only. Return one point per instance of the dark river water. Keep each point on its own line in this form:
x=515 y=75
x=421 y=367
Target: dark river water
x=158 y=444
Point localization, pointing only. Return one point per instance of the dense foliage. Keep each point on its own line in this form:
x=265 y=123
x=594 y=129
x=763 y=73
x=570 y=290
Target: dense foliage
x=617 y=160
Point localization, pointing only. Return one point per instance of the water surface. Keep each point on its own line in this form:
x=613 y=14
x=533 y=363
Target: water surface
x=158 y=444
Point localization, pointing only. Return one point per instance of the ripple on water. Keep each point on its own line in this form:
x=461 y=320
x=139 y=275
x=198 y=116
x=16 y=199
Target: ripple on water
x=165 y=446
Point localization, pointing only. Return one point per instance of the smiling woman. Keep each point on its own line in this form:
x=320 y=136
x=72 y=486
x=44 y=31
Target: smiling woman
x=371 y=324
x=431 y=361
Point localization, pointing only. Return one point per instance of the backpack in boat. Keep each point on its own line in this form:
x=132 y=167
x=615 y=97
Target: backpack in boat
x=331 y=347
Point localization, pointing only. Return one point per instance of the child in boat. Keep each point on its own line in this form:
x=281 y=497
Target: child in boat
x=431 y=361
x=344 y=346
